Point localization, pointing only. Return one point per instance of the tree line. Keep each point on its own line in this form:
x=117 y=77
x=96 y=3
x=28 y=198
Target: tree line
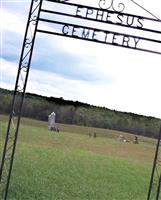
x=75 y=112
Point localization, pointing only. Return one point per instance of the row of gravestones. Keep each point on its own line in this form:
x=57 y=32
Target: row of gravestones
x=52 y=127
x=121 y=138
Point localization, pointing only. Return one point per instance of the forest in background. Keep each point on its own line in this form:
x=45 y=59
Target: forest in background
x=75 y=112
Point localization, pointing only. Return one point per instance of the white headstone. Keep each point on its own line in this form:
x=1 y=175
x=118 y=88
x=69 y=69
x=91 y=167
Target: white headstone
x=51 y=121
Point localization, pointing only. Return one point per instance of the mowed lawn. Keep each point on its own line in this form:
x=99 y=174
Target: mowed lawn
x=70 y=165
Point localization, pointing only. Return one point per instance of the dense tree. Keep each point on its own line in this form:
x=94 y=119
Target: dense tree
x=39 y=107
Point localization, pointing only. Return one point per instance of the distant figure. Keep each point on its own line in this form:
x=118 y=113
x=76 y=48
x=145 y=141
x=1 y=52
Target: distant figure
x=136 y=141
x=94 y=135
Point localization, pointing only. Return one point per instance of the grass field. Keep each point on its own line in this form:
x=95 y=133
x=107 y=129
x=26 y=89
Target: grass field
x=72 y=166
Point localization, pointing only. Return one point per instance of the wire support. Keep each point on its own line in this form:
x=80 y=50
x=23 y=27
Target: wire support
x=145 y=9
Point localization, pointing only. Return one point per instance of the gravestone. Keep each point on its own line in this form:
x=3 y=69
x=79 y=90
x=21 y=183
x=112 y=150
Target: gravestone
x=51 y=121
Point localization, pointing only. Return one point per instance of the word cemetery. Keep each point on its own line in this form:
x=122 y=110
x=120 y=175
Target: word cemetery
x=100 y=36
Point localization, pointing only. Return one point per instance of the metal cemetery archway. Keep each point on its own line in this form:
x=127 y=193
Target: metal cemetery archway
x=108 y=12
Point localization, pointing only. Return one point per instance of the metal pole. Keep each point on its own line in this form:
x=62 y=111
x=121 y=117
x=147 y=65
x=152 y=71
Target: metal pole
x=158 y=189
x=154 y=165
x=20 y=87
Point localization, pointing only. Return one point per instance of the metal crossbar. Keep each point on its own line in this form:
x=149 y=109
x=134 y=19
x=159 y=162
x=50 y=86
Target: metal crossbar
x=100 y=16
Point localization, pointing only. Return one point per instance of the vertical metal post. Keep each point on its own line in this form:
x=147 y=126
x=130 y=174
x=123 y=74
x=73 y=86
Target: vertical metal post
x=158 y=189
x=18 y=98
x=154 y=190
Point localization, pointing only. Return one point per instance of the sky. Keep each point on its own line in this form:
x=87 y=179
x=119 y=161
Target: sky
x=102 y=75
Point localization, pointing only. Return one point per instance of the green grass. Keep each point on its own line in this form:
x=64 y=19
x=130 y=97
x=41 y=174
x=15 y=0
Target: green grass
x=72 y=166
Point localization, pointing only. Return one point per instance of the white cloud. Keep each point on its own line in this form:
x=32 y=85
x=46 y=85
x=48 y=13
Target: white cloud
x=134 y=75
x=137 y=93
x=12 y=22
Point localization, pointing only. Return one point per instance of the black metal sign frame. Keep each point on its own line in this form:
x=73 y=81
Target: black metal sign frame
x=108 y=16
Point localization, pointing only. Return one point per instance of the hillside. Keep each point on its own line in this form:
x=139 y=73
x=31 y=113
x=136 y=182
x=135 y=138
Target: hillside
x=75 y=112
x=70 y=165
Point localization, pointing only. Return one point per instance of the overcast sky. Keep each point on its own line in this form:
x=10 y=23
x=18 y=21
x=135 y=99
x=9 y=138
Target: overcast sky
x=98 y=74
